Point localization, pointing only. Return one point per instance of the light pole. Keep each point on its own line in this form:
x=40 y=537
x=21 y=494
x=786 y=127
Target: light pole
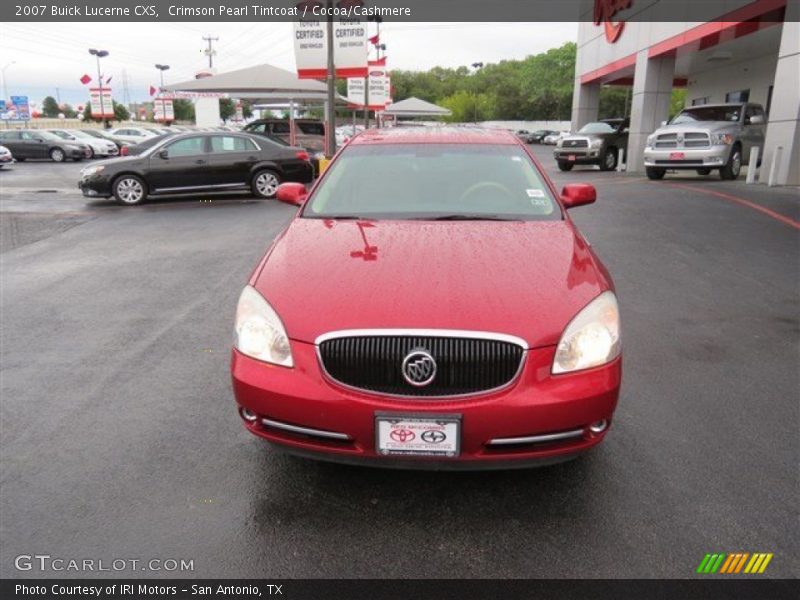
x=98 y=54
x=476 y=66
x=162 y=68
x=3 y=72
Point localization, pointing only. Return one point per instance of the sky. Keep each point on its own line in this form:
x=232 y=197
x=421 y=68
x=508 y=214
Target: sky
x=50 y=58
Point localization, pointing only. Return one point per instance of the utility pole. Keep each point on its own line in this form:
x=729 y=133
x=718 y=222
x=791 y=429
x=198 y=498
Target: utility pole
x=210 y=52
x=330 y=121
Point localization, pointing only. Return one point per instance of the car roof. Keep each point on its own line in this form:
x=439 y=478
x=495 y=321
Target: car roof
x=435 y=135
x=717 y=104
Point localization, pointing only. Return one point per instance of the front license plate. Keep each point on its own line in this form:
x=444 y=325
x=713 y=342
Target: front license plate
x=676 y=155
x=428 y=435
x=571 y=157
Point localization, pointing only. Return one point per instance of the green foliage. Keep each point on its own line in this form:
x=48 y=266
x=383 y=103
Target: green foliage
x=183 y=109
x=121 y=112
x=50 y=107
x=227 y=108
x=69 y=112
x=467 y=106
x=677 y=102
x=247 y=108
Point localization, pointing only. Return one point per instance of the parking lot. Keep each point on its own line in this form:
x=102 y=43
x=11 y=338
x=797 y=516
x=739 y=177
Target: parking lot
x=120 y=437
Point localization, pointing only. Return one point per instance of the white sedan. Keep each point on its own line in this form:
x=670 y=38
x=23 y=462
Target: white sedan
x=98 y=146
x=132 y=135
x=5 y=157
x=552 y=139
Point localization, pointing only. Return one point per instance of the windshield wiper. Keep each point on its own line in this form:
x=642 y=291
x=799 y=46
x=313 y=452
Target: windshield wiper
x=467 y=217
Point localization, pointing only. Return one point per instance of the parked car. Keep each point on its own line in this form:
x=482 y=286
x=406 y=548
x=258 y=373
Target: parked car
x=345 y=132
x=552 y=138
x=524 y=135
x=598 y=143
x=198 y=162
x=309 y=133
x=6 y=158
x=366 y=335
x=707 y=137
x=133 y=135
x=141 y=147
x=36 y=143
x=537 y=137
x=101 y=134
x=97 y=146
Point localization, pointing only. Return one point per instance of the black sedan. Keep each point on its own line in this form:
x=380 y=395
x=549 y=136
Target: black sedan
x=198 y=162
x=537 y=137
x=32 y=143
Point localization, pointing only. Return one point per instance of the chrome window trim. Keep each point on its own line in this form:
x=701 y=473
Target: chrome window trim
x=445 y=333
x=533 y=439
x=305 y=430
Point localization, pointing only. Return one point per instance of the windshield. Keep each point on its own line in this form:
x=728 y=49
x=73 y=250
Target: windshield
x=433 y=181
x=62 y=134
x=80 y=134
x=46 y=135
x=708 y=113
x=598 y=127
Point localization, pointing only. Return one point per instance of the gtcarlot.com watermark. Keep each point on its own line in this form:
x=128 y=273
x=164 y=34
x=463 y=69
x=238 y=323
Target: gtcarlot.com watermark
x=48 y=563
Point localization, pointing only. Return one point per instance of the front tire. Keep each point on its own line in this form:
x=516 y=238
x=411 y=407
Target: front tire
x=57 y=155
x=733 y=167
x=609 y=160
x=129 y=190
x=565 y=166
x=655 y=173
x=265 y=183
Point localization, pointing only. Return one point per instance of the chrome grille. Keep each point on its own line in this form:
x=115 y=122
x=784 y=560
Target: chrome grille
x=575 y=144
x=683 y=140
x=465 y=365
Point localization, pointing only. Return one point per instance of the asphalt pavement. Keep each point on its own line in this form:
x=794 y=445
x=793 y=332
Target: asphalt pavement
x=119 y=437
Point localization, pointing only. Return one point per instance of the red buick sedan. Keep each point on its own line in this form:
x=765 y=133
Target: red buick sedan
x=431 y=305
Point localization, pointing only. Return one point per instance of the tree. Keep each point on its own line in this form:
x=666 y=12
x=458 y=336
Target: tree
x=466 y=106
x=121 y=113
x=69 y=112
x=247 y=109
x=226 y=108
x=184 y=109
x=50 y=107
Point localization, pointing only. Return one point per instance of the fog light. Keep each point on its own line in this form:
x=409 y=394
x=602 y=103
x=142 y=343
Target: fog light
x=248 y=415
x=598 y=426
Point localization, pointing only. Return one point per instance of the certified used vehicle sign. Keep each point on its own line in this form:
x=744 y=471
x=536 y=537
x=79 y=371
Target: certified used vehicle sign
x=423 y=436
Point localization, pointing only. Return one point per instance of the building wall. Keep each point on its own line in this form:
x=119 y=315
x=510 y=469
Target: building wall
x=757 y=75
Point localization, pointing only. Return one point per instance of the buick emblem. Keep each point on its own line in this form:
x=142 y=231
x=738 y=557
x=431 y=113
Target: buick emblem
x=419 y=368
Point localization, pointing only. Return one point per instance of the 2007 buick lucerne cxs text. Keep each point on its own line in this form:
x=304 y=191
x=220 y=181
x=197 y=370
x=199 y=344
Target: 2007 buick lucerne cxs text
x=431 y=305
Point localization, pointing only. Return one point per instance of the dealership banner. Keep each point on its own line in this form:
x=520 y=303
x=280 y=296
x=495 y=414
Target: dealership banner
x=98 y=108
x=378 y=89
x=18 y=110
x=163 y=110
x=349 y=48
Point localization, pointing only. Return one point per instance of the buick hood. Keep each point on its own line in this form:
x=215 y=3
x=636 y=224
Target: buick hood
x=527 y=279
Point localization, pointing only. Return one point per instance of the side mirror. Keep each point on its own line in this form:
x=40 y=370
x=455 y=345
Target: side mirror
x=164 y=154
x=664 y=123
x=292 y=193
x=578 y=194
x=756 y=120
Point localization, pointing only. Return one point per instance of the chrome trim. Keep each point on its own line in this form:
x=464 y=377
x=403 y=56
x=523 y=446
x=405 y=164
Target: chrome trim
x=444 y=333
x=534 y=439
x=306 y=430
x=462 y=333
x=199 y=187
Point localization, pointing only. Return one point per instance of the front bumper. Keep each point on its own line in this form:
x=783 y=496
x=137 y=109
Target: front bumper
x=577 y=156
x=536 y=404
x=95 y=186
x=712 y=157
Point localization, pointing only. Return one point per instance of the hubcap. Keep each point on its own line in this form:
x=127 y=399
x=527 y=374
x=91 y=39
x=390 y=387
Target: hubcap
x=58 y=155
x=736 y=165
x=130 y=191
x=267 y=184
x=610 y=159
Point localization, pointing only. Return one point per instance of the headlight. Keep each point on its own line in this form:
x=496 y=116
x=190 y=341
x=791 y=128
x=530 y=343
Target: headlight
x=559 y=143
x=651 y=139
x=259 y=331
x=721 y=139
x=94 y=169
x=592 y=338
x=597 y=143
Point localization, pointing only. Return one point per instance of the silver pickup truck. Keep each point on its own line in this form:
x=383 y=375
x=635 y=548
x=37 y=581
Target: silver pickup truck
x=707 y=137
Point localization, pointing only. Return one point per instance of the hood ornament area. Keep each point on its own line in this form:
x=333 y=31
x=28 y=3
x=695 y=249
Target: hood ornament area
x=419 y=368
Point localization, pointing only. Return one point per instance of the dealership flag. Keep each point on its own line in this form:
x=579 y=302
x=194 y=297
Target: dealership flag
x=85 y=79
x=153 y=90
x=374 y=39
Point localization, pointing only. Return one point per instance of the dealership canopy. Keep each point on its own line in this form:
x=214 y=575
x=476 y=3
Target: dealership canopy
x=263 y=83
x=414 y=107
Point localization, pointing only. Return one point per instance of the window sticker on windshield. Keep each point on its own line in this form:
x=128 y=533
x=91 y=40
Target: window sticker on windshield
x=535 y=193
x=516 y=158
